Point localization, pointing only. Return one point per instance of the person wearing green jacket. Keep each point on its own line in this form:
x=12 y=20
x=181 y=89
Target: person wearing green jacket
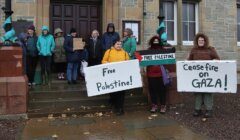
x=45 y=46
x=129 y=42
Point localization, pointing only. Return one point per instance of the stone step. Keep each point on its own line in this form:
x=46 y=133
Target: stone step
x=72 y=99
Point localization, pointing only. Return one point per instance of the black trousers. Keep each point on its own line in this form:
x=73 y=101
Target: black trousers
x=157 y=88
x=94 y=61
x=117 y=99
x=45 y=64
x=31 y=67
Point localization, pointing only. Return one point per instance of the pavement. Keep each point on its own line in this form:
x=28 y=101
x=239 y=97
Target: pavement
x=134 y=125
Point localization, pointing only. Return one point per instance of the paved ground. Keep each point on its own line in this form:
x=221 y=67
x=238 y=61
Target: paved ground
x=139 y=125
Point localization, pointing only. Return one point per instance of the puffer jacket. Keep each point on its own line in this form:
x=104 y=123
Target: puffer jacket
x=113 y=55
x=129 y=45
x=45 y=43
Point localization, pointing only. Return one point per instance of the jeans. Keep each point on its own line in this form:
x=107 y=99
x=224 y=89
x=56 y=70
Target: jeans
x=72 y=71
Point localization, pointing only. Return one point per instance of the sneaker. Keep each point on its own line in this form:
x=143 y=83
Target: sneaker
x=62 y=76
x=29 y=84
x=208 y=114
x=154 y=108
x=197 y=113
x=163 y=109
x=33 y=83
x=59 y=76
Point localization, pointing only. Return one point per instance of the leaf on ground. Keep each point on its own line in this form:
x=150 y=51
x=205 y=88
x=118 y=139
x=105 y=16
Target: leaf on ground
x=154 y=115
x=64 y=115
x=114 y=122
x=102 y=106
x=50 y=116
x=74 y=115
x=86 y=133
x=177 y=113
x=54 y=136
x=68 y=109
x=150 y=118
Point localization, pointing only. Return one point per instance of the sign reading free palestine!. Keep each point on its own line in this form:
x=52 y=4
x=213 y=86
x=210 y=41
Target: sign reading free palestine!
x=156 y=57
x=112 y=77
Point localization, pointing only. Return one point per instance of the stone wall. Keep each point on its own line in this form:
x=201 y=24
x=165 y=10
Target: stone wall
x=2 y=16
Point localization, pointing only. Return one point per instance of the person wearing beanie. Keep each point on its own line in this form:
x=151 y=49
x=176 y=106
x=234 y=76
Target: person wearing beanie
x=109 y=37
x=32 y=54
x=45 y=46
x=73 y=57
x=155 y=78
x=59 y=54
x=129 y=42
x=115 y=54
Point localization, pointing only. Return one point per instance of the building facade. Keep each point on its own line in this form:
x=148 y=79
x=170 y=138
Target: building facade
x=219 y=19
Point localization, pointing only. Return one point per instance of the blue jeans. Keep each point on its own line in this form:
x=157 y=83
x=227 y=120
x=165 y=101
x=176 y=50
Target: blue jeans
x=72 y=71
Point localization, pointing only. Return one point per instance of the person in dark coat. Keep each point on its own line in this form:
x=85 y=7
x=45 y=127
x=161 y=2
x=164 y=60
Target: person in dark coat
x=109 y=37
x=73 y=57
x=32 y=53
x=94 y=49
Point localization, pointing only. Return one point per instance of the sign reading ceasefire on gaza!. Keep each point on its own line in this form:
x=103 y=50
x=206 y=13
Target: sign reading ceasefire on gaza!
x=112 y=77
x=207 y=76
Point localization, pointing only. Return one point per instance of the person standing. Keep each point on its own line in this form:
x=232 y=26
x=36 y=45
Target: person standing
x=202 y=51
x=109 y=37
x=95 y=49
x=129 y=42
x=156 y=81
x=32 y=53
x=45 y=46
x=59 y=54
x=73 y=57
x=116 y=54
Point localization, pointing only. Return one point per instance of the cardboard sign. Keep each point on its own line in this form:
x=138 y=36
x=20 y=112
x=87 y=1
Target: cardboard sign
x=78 y=44
x=156 y=57
x=207 y=76
x=112 y=77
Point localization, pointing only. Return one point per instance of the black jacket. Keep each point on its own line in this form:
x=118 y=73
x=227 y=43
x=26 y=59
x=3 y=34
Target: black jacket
x=94 y=52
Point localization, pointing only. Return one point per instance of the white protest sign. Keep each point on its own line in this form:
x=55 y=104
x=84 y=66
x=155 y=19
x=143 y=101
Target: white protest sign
x=112 y=77
x=207 y=76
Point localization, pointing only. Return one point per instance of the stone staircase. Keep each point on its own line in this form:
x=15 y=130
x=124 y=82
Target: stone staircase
x=62 y=98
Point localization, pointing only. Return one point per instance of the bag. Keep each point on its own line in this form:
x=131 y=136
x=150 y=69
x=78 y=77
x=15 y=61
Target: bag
x=167 y=79
x=84 y=64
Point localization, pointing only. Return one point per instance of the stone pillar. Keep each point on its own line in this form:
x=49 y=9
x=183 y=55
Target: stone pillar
x=179 y=25
x=42 y=14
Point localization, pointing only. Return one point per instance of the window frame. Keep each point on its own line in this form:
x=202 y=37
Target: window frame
x=238 y=6
x=124 y=22
x=189 y=43
x=174 y=41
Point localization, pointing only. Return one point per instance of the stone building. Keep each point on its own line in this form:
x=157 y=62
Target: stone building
x=219 y=19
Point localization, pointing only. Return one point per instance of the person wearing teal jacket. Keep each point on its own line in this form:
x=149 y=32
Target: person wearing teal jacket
x=129 y=42
x=45 y=46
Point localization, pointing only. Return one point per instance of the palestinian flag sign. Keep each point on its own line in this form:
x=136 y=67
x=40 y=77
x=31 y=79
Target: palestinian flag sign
x=156 y=57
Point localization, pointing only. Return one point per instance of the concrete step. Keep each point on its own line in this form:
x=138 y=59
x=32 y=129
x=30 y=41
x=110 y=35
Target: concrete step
x=73 y=99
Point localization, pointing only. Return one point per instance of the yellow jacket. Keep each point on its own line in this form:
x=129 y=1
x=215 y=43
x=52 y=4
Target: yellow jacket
x=113 y=55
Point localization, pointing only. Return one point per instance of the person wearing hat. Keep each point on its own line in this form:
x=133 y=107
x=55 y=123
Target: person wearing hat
x=73 y=57
x=129 y=42
x=109 y=37
x=32 y=53
x=59 y=55
x=45 y=46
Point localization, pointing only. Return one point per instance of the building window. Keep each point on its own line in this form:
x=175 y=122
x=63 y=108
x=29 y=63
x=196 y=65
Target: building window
x=189 y=22
x=238 y=24
x=135 y=26
x=170 y=14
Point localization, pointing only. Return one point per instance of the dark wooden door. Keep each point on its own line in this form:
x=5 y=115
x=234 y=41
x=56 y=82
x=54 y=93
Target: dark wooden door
x=84 y=16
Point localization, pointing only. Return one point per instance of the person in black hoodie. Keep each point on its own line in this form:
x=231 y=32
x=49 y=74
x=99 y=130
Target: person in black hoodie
x=94 y=48
x=74 y=57
x=109 y=37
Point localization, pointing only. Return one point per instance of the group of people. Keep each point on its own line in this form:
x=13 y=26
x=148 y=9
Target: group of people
x=106 y=49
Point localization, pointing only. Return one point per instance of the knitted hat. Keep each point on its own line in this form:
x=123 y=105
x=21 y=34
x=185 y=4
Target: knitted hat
x=31 y=27
x=73 y=30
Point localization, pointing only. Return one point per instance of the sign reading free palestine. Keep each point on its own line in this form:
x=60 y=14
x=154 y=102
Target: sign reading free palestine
x=112 y=77
x=156 y=57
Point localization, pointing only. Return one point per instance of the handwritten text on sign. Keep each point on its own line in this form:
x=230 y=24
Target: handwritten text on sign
x=112 y=77
x=207 y=76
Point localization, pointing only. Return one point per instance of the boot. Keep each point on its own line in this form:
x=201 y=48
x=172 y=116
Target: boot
x=48 y=79
x=197 y=113
x=208 y=114
x=154 y=108
x=163 y=109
